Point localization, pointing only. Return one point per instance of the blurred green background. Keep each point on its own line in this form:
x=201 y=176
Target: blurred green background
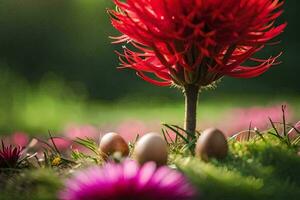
x=57 y=65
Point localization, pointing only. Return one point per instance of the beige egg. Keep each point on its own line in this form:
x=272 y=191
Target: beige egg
x=112 y=143
x=211 y=144
x=151 y=147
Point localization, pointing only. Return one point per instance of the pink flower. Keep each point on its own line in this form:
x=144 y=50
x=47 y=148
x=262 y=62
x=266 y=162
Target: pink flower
x=20 y=139
x=239 y=119
x=128 y=181
x=130 y=128
x=86 y=131
x=61 y=143
x=9 y=156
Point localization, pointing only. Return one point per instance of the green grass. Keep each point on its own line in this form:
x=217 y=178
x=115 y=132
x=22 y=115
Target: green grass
x=52 y=104
x=38 y=113
x=253 y=170
x=256 y=170
x=37 y=184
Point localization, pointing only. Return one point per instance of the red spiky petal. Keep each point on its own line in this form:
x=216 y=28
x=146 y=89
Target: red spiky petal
x=195 y=41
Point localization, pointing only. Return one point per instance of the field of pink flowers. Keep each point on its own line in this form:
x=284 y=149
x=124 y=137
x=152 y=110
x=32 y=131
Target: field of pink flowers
x=231 y=121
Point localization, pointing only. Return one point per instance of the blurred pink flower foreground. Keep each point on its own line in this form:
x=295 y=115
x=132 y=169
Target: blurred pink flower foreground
x=128 y=181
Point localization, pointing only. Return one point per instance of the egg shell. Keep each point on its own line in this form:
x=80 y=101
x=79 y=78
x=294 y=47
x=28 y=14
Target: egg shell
x=151 y=147
x=111 y=143
x=211 y=144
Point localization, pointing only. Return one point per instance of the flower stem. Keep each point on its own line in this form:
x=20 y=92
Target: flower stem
x=191 y=100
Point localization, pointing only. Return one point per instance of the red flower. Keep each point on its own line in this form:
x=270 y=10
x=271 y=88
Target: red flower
x=195 y=42
x=9 y=156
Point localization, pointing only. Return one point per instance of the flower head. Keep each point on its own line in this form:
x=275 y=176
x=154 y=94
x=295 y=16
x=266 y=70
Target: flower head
x=196 y=42
x=9 y=156
x=127 y=181
x=20 y=139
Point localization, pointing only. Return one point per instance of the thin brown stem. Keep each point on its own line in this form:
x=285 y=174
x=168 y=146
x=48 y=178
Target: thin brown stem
x=191 y=101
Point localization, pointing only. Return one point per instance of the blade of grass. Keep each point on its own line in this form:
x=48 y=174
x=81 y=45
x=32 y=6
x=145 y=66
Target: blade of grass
x=274 y=127
x=177 y=133
x=178 y=127
x=283 y=108
x=47 y=144
x=54 y=145
x=88 y=143
x=168 y=134
x=249 y=131
x=260 y=135
x=164 y=135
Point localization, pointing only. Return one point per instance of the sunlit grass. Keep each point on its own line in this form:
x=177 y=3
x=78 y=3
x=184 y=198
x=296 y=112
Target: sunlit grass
x=51 y=105
x=38 y=113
